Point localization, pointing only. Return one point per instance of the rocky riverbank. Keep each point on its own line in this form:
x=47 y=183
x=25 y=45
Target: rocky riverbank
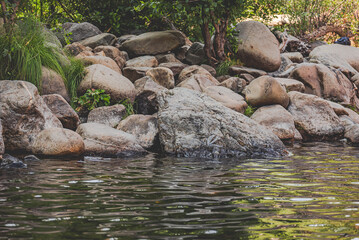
x=299 y=93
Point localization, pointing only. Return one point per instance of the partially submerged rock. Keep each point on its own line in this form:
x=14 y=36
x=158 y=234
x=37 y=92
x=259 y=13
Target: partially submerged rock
x=102 y=140
x=58 y=142
x=192 y=124
x=351 y=129
x=9 y=161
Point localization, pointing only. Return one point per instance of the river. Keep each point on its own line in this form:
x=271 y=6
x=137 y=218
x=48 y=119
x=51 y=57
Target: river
x=312 y=194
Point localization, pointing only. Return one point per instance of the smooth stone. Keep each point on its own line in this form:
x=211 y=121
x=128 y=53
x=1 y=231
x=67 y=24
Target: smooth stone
x=191 y=70
x=291 y=84
x=135 y=73
x=236 y=84
x=106 y=61
x=103 y=39
x=53 y=83
x=197 y=82
x=144 y=61
x=163 y=76
x=80 y=31
x=108 y=115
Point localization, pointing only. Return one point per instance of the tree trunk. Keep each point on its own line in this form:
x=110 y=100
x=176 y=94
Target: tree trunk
x=220 y=39
x=208 y=47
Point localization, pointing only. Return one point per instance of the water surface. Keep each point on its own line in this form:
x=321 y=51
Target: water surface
x=313 y=194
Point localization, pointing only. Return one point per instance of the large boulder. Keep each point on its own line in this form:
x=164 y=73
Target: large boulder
x=227 y=97
x=52 y=82
x=2 y=145
x=106 y=61
x=62 y=110
x=143 y=127
x=80 y=31
x=276 y=118
x=108 y=115
x=58 y=142
x=135 y=73
x=314 y=118
x=143 y=61
x=192 y=124
x=152 y=43
x=147 y=90
x=24 y=115
x=258 y=47
x=102 y=140
x=325 y=83
x=103 y=39
x=101 y=77
x=162 y=76
x=266 y=91
x=345 y=58
x=197 y=82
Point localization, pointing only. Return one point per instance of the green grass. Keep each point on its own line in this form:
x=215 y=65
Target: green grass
x=74 y=73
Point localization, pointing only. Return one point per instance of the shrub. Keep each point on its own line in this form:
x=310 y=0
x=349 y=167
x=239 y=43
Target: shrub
x=92 y=99
x=249 y=111
x=130 y=110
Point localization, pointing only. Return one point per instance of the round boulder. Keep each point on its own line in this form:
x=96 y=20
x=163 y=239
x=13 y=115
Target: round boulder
x=163 y=76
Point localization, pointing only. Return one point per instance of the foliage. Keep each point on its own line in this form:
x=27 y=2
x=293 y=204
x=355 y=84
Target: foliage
x=74 y=74
x=24 y=49
x=222 y=68
x=130 y=110
x=249 y=111
x=92 y=99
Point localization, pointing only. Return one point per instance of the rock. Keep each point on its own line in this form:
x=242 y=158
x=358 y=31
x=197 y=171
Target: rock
x=153 y=43
x=210 y=69
x=237 y=70
x=234 y=83
x=80 y=31
x=355 y=80
x=314 y=118
x=32 y=158
x=163 y=76
x=52 y=82
x=176 y=67
x=85 y=54
x=103 y=39
x=195 y=54
x=167 y=58
x=353 y=115
x=317 y=43
x=9 y=161
x=223 y=78
x=293 y=44
x=291 y=84
x=2 y=145
x=106 y=61
x=143 y=127
x=101 y=77
x=286 y=64
x=227 y=97
x=295 y=57
x=266 y=91
x=249 y=78
x=62 y=110
x=192 y=124
x=58 y=142
x=197 y=82
x=124 y=38
x=113 y=53
x=24 y=115
x=276 y=118
x=109 y=115
x=191 y=70
x=321 y=81
x=345 y=58
x=102 y=140
x=144 y=61
x=351 y=129
x=135 y=73
x=258 y=47
x=76 y=48
x=146 y=95
x=181 y=52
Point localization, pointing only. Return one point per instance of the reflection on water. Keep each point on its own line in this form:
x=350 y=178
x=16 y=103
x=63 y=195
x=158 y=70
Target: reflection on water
x=312 y=194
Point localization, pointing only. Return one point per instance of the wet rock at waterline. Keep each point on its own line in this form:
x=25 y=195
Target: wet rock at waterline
x=266 y=90
x=258 y=47
x=314 y=118
x=192 y=124
x=227 y=97
x=153 y=43
x=102 y=140
x=58 y=142
x=62 y=110
x=108 y=115
x=143 y=127
x=24 y=115
x=351 y=129
x=102 y=77
x=9 y=161
x=276 y=118
x=2 y=145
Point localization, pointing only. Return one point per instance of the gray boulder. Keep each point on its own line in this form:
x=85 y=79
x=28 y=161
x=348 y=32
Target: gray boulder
x=276 y=118
x=258 y=47
x=314 y=118
x=153 y=43
x=80 y=31
x=58 y=142
x=143 y=127
x=24 y=115
x=102 y=140
x=192 y=124
x=103 y=39
x=62 y=110
x=195 y=54
x=109 y=115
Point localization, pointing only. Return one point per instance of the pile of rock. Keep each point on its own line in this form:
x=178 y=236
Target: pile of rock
x=183 y=108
